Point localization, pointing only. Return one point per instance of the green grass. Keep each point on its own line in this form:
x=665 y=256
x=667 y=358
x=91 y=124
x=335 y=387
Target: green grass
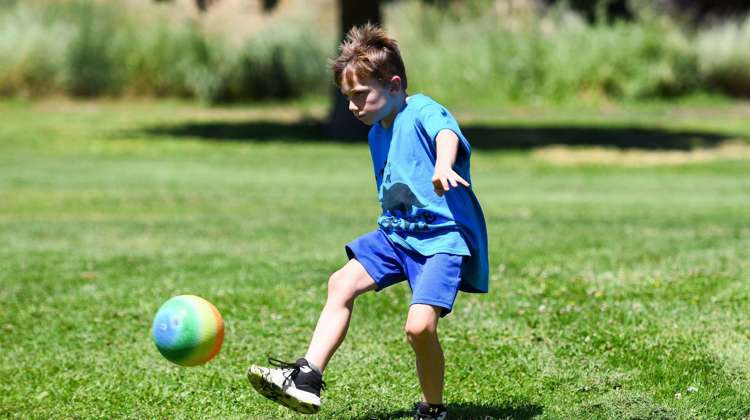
x=613 y=288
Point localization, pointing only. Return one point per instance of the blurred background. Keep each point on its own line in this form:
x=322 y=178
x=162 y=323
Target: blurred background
x=480 y=53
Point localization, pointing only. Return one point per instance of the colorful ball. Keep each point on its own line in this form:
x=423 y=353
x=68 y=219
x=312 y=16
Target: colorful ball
x=188 y=330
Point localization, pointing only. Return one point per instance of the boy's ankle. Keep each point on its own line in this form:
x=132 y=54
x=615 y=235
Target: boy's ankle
x=313 y=366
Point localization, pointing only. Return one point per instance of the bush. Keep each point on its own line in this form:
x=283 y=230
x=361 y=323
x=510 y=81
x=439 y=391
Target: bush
x=462 y=57
x=154 y=62
x=473 y=54
x=284 y=62
x=724 y=56
x=91 y=62
x=32 y=52
x=94 y=49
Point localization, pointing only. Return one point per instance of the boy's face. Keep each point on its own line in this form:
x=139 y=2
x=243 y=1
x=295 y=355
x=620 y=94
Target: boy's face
x=370 y=100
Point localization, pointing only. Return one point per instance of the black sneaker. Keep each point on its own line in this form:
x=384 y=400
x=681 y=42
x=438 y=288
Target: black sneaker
x=294 y=385
x=426 y=411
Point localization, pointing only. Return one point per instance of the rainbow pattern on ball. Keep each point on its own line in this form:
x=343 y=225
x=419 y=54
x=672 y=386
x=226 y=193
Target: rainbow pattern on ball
x=188 y=330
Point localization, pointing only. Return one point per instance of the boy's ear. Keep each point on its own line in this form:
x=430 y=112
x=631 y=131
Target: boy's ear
x=394 y=84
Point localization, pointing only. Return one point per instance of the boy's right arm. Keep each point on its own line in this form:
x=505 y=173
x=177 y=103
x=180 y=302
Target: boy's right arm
x=445 y=177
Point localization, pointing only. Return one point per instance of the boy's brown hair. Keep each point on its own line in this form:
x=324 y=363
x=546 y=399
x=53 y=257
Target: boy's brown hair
x=367 y=51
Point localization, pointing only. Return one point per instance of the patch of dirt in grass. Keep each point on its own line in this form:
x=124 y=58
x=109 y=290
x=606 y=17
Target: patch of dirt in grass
x=733 y=350
x=567 y=155
x=620 y=404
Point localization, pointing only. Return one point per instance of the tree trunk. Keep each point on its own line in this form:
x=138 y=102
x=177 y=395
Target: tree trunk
x=341 y=122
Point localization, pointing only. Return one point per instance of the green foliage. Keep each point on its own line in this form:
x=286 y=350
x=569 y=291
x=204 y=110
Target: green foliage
x=155 y=62
x=285 y=62
x=91 y=64
x=32 y=52
x=281 y=63
x=724 y=52
x=553 y=59
x=206 y=66
x=459 y=53
x=92 y=49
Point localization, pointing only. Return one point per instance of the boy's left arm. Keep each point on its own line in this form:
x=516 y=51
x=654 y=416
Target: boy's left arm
x=445 y=177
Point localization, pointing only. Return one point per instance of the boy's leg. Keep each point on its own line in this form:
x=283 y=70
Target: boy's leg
x=421 y=331
x=297 y=385
x=343 y=287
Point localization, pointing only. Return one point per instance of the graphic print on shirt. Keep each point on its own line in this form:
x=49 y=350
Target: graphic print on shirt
x=399 y=199
x=401 y=207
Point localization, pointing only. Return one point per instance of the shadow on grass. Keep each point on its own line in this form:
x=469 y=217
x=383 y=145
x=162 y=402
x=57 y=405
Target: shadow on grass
x=480 y=136
x=468 y=411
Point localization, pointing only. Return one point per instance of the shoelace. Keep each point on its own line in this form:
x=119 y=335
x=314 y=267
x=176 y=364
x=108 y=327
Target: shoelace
x=294 y=371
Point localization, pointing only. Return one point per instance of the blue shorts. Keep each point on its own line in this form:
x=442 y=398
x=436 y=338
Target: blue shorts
x=433 y=280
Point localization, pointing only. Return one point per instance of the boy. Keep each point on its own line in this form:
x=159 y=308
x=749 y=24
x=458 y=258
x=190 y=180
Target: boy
x=431 y=232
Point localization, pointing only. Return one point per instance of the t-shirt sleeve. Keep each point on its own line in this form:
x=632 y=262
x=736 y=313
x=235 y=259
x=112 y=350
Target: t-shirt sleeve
x=435 y=118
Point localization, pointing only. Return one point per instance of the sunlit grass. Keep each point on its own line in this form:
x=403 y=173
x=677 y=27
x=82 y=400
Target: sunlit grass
x=616 y=291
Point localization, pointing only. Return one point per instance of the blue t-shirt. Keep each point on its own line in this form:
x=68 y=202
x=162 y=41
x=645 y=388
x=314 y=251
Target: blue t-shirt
x=414 y=216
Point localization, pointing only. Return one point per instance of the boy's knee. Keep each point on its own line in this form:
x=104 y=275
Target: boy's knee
x=339 y=287
x=417 y=329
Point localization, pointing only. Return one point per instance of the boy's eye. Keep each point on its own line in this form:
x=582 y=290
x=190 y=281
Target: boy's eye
x=356 y=95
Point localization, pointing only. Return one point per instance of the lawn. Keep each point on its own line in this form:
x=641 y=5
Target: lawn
x=618 y=289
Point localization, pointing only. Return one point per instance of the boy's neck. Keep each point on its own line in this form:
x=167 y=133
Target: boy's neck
x=397 y=107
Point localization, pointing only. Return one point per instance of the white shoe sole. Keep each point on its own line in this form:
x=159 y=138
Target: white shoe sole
x=273 y=392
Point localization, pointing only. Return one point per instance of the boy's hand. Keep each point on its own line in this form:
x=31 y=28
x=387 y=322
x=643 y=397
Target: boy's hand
x=444 y=178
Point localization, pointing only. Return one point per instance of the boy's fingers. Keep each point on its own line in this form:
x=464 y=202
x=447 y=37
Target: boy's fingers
x=454 y=184
x=462 y=181
x=445 y=184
